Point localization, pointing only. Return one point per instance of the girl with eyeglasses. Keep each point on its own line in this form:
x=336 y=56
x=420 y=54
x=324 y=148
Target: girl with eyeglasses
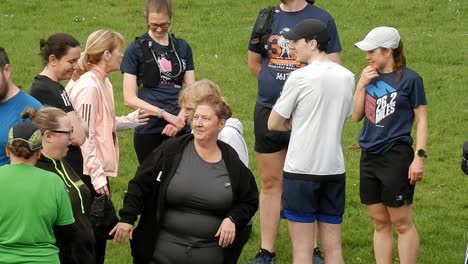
x=156 y=67
x=57 y=131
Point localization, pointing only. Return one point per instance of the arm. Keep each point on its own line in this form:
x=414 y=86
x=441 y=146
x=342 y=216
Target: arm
x=65 y=234
x=139 y=190
x=360 y=95
x=247 y=198
x=254 y=62
x=131 y=100
x=278 y=123
x=86 y=103
x=79 y=128
x=416 y=169
x=189 y=78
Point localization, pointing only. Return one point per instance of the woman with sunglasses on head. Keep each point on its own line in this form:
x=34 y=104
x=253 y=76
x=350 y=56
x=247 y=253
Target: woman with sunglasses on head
x=36 y=210
x=390 y=98
x=57 y=132
x=60 y=54
x=93 y=96
x=155 y=68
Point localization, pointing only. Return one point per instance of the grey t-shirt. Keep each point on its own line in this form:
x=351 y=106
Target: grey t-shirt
x=197 y=200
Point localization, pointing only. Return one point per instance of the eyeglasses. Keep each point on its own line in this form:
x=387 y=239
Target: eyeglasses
x=69 y=132
x=162 y=26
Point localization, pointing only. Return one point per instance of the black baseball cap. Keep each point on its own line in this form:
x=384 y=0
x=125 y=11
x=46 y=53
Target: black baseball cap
x=309 y=29
x=26 y=132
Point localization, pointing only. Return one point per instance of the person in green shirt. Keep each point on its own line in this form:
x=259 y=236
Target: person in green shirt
x=35 y=208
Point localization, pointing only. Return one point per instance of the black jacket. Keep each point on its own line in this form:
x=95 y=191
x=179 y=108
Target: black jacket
x=81 y=248
x=146 y=192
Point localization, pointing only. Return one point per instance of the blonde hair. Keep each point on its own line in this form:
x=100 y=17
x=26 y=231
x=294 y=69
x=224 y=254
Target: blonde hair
x=45 y=119
x=98 y=42
x=197 y=91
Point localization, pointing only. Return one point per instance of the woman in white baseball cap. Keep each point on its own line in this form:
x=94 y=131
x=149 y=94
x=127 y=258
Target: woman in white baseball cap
x=390 y=98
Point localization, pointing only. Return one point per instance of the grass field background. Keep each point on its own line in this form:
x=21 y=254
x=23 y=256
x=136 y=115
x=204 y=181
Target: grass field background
x=435 y=34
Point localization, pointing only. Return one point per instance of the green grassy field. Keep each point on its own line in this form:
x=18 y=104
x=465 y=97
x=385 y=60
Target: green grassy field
x=435 y=34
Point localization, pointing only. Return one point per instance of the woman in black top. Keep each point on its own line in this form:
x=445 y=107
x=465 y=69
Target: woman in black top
x=56 y=132
x=192 y=193
x=60 y=54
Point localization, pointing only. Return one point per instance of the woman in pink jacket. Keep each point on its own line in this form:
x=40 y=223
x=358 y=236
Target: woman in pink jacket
x=92 y=95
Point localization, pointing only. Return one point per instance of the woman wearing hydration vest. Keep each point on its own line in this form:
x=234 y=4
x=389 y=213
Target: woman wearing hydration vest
x=155 y=67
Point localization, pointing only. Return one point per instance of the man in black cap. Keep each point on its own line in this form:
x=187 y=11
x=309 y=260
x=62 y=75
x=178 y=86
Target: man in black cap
x=271 y=61
x=314 y=104
x=12 y=102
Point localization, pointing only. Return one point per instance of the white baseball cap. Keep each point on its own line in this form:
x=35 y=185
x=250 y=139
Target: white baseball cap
x=380 y=37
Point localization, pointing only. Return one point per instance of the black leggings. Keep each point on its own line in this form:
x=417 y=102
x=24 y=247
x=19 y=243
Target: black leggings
x=101 y=241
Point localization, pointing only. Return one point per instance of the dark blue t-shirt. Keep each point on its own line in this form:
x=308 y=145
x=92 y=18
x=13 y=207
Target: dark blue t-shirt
x=165 y=93
x=389 y=110
x=280 y=60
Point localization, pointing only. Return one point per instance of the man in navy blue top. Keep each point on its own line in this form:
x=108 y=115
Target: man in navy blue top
x=272 y=70
x=12 y=102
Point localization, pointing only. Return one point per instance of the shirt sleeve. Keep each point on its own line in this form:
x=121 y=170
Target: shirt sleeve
x=51 y=96
x=334 y=44
x=188 y=56
x=131 y=60
x=64 y=209
x=288 y=99
x=417 y=94
x=234 y=139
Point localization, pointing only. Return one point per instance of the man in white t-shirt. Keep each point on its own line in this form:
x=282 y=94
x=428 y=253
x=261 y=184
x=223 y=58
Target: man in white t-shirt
x=314 y=104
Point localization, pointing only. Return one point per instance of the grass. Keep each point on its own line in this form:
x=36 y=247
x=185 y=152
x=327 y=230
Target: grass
x=435 y=35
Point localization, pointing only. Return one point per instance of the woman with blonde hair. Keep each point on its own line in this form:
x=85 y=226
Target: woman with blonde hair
x=57 y=130
x=93 y=96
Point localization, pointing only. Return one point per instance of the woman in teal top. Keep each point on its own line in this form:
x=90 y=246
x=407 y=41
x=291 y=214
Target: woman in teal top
x=35 y=203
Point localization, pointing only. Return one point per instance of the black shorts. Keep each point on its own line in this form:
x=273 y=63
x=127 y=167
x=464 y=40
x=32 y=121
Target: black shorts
x=267 y=141
x=384 y=177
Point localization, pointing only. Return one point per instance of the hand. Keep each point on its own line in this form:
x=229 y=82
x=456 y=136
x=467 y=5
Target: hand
x=176 y=121
x=226 y=232
x=121 y=231
x=170 y=130
x=103 y=191
x=143 y=117
x=416 y=170
x=367 y=75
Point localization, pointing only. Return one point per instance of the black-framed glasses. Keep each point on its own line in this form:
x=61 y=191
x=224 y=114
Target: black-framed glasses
x=164 y=26
x=68 y=132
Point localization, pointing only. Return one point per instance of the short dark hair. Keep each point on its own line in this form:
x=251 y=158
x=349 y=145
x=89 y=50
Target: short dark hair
x=57 y=45
x=3 y=58
x=321 y=45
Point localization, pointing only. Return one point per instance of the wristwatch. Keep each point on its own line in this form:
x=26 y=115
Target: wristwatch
x=421 y=153
x=160 y=113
